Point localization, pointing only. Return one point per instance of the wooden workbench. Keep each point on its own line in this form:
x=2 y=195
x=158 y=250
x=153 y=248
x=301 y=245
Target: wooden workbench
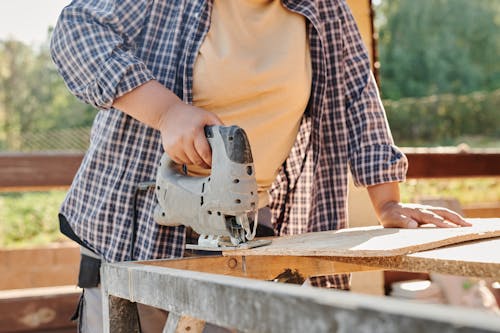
x=230 y=290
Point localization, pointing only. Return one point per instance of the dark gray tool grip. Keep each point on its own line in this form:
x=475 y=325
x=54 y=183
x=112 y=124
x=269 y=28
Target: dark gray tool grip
x=236 y=143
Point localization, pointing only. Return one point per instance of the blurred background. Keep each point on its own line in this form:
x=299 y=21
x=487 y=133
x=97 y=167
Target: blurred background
x=438 y=68
x=436 y=62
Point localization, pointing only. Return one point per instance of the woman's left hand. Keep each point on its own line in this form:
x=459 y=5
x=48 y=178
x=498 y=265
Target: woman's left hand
x=398 y=215
x=394 y=214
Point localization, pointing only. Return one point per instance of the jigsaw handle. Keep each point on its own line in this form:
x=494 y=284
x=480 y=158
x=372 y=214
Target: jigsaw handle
x=205 y=203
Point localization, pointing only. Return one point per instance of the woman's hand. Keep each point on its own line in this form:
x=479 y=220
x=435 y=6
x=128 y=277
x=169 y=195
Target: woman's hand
x=398 y=215
x=181 y=125
x=183 y=134
x=394 y=214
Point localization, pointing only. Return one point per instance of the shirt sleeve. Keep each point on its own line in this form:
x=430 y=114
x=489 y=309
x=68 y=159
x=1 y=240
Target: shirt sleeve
x=373 y=157
x=93 y=48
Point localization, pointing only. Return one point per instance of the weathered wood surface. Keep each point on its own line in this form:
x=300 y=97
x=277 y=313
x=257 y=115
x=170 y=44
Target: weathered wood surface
x=123 y=317
x=21 y=171
x=448 y=165
x=261 y=267
x=373 y=241
x=38 y=309
x=260 y=306
x=51 y=265
x=182 y=324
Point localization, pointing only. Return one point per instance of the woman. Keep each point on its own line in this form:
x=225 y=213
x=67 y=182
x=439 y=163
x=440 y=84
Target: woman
x=294 y=74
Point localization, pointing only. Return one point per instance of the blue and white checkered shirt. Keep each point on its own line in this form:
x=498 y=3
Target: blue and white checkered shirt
x=104 y=48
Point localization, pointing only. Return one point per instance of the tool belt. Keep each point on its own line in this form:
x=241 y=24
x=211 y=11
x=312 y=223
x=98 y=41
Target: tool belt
x=90 y=263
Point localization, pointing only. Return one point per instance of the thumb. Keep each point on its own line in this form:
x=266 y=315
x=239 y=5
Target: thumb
x=401 y=221
x=212 y=119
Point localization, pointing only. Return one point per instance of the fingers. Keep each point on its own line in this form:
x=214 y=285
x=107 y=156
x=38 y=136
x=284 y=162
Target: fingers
x=213 y=119
x=451 y=216
x=203 y=150
x=412 y=215
x=183 y=135
x=440 y=217
x=192 y=150
x=424 y=216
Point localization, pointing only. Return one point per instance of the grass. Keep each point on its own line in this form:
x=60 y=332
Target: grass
x=30 y=219
x=467 y=190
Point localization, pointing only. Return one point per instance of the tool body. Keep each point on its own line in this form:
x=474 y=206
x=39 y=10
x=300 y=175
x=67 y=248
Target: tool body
x=217 y=206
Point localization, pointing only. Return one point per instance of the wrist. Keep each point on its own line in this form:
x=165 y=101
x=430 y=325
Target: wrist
x=167 y=112
x=385 y=207
x=383 y=197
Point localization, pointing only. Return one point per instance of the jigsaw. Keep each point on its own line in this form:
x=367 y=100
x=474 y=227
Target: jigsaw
x=218 y=207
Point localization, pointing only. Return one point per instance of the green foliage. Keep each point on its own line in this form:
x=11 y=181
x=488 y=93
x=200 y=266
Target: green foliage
x=33 y=96
x=441 y=119
x=432 y=47
x=29 y=218
x=467 y=191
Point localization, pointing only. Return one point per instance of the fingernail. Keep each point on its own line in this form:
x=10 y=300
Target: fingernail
x=412 y=224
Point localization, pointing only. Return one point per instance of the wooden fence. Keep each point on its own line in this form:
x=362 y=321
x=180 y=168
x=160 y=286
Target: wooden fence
x=21 y=171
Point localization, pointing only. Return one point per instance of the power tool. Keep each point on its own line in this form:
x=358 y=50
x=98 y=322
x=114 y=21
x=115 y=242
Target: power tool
x=218 y=206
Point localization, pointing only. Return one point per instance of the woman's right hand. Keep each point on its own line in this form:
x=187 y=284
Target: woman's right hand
x=183 y=135
x=181 y=125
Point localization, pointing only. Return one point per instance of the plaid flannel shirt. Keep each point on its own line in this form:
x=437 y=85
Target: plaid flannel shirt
x=104 y=49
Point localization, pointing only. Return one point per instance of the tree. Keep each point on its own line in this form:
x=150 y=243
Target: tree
x=438 y=46
x=33 y=97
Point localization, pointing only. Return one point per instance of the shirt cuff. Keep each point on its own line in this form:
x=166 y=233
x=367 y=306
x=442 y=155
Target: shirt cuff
x=376 y=164
x=120 y=74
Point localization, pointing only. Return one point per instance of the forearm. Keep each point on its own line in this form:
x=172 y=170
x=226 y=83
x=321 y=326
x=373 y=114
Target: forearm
x=383 y=194
x=181 y=125
x=147 y=103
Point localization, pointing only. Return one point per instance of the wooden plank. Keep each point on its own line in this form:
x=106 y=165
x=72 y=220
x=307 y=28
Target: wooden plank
x=38 y=309
x=37 y=170
x=482 y=210
x=51 y=265
x=373 y=241
x=479 y=258
x=124 y=318
x=181 y=324
x=259 y=306
x=448 y=165
x=260 y=267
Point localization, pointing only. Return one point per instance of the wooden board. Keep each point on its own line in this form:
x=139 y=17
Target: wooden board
x=480 y=258
x=374 y=241
x=259 y=267
x=259 y=306
x=38 y=309
x=477 y=258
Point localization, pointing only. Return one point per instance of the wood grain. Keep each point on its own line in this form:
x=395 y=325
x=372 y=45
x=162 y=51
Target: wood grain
x=374 y=241
x=38 y=309
x=259 y=267
x=448 y=165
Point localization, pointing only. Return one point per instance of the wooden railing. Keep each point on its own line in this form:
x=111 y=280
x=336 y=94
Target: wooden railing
x=22 y=171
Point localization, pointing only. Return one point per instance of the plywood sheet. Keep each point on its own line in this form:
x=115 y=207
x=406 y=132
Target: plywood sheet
x=375 y=241
x=479 y=258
